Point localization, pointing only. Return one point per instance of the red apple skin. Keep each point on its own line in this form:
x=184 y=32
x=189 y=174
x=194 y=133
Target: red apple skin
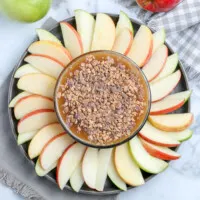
x=149 y=54
x=130 y=44
x=158 y=5
x=158 y=154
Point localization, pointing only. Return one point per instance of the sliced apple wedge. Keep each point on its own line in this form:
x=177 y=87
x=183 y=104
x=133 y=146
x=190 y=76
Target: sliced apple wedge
x=54 y=149
x=104 y=33
x=36 y=120
x=124 y=22
x=85 y=26
x=160 y=152
x=158 y=39
x=141 y=48
x=102 y=169
x=163 y=87
x=169 y=68
x=40 y=171
x=71 y=39
x=17 y=98
x=146 y=162
x=42 y=138
x=123 y=41
x=41 y=84
x=172 y=122
x=25 y=137
x=76 y=179
x=51 y=49
x=113 y=175
x=181 y=135
x=46 y=35
x=170 y=103
x=156 y=136
x=25 y=69
x=45 y=64
x=69 y=160
x=126 y=167
x=89 y=167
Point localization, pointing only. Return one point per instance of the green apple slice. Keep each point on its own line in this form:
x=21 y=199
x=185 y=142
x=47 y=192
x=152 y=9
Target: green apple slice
x=46 y=35
x=85 y=26
x=124 y=22
x=25 y=69
x=17 y=98
x=113 y=175
x=146 y=162
x=182 y=135
x=158 y=39
x=25 y=137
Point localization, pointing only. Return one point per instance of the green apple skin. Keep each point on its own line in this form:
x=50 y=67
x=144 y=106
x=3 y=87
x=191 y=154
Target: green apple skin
x=25 y=10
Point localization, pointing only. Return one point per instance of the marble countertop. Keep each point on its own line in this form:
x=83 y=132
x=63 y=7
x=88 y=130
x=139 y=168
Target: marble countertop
x=181 y=181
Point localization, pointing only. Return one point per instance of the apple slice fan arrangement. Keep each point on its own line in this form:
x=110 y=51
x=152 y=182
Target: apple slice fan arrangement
x=74 y=164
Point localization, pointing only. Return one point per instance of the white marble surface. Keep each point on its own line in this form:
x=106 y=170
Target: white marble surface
x=181 y=181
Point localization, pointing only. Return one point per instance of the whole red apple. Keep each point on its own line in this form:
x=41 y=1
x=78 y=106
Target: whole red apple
x=157 y=5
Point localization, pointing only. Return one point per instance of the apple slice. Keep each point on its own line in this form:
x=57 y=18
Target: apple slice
x=76 y=179
x=51 y=49
x=31 y=103
x=181 y=135
x=156 y=63
x=89 y=167
x=36 y=120
x=141 y=48
x=146 y=162
x=159 y=151
x=69 y=160
x=37 y=84
x=25 y=69
x=41 y=172
x=71 y=39
x=158 y=39
x=172 y=122
x=45 y=64
x=17 y=98
x=123 y=41
x=104 y=33
x=85 y=26
x=124 y=22
x=46 y=35
x=102 y=170
x=170 y=103
x=169 y=68
x=42 y=138
x=126 y=167
x=54 y=149
x=113 y=175
x=156 y=136
x=163 y=87
x=25 y=137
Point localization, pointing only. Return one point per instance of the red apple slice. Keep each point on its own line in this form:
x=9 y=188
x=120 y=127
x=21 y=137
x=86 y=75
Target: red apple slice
x=159 y=151
x=36 y=120
x=156 y=63
x=45 y=64
x=41 y=84
x=54 y=149
x=158 y=39
x=126 y=166
x=123 y=41
x=42 y=138
x=25 y=137
x=31 y=103
x=89 y=167
x=170 y=103
x=156 y=136
x=163 y=87
x=69 y=160
x=51 y=49
x=172 y=122
x=71 y=39
x=102 y=170
x=146 y=162
x=17 y=98
x=25 y=69
x=104 y=33
x=141 y=48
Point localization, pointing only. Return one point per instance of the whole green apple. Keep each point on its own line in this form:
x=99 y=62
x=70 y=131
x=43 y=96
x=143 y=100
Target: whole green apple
x=25 y=10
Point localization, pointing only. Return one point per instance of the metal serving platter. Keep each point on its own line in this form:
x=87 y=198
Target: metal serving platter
x=13 y=91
